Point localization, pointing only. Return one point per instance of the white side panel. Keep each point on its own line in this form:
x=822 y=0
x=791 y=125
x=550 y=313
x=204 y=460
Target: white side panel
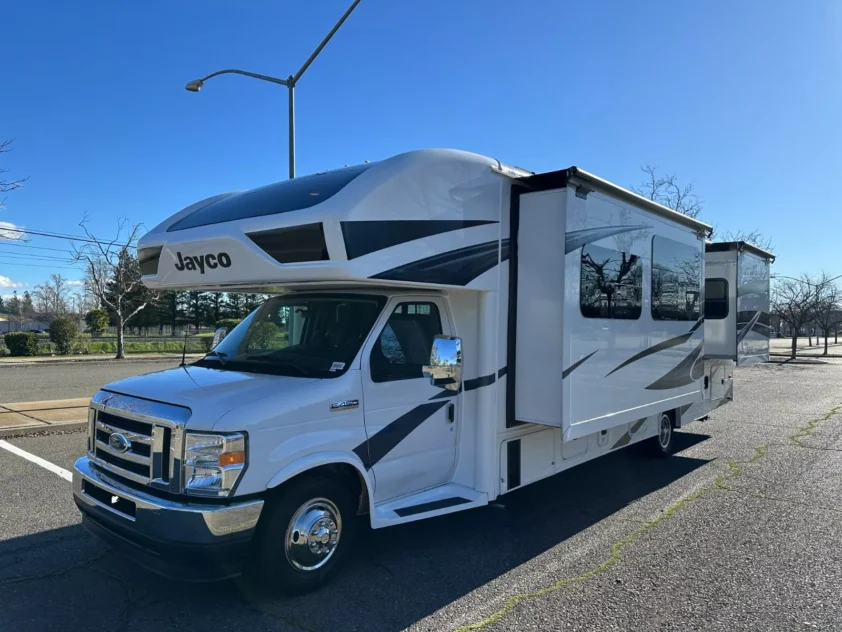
x=540 y=308
x=752 y=309
x=721 y=333
x=633 y=363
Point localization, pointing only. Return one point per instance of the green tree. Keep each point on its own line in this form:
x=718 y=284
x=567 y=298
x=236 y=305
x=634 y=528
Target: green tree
x=96 y=320
x=234 y=305
x=63 y=334
x=27 y=307
x=14 y=306
x=2 y=304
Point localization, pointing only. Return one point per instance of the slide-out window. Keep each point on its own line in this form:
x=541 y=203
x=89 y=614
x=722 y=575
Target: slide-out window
x=716 y=299
x=676 y=280
x=611 y=284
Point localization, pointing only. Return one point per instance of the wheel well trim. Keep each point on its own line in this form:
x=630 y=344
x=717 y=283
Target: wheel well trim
x=319 y=459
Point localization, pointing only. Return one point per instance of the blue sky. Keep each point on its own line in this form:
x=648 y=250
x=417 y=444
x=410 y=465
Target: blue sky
x=742 y=98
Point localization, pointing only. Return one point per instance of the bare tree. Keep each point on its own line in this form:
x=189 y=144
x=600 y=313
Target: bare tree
x=829 y=307
x=8 y=185
x=754 y=237
x=665 y=189
x=795 y=302
x=113 y=275
x=51 y=298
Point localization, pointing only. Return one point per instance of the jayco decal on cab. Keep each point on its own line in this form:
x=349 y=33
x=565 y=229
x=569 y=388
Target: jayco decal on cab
x=198 y=263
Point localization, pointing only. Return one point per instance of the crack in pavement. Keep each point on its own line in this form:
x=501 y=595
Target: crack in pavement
x=735 y=469
x=51 y=574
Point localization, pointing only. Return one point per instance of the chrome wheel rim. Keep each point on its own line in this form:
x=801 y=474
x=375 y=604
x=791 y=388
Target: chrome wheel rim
x=313 y=534
x=665 y=431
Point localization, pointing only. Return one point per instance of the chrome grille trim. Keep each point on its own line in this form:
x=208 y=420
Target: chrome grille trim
x=165 y=438
x=131 y=436
x=126 y=456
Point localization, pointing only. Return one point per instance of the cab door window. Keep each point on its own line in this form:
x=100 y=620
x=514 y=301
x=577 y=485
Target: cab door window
x=403 y=346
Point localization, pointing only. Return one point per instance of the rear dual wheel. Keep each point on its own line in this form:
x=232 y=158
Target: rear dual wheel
x=663 y=443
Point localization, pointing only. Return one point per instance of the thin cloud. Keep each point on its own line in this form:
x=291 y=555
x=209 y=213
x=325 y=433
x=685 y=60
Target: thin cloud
x=7 y=232
x=6 y=282
x=76 y=283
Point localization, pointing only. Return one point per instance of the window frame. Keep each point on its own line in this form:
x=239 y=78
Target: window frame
x=581 y=268
x=727 y=299
x=701 y=287
x=390 y=310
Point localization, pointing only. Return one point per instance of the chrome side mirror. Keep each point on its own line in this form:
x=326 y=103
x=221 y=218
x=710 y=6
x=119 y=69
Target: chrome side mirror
x=445 y=367
x=218 y=335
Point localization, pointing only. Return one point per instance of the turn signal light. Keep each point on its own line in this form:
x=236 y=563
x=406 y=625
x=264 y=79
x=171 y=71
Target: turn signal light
x=232 y=458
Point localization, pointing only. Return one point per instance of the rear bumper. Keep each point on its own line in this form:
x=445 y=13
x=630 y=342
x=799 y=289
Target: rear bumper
x=191 y=542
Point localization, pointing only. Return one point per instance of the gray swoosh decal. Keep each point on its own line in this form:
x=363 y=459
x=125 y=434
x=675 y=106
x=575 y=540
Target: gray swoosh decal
x=577 y=238
x=666 y=344
x=742 y=333
x=684 y=373
x=575 y=365
x=628 y=434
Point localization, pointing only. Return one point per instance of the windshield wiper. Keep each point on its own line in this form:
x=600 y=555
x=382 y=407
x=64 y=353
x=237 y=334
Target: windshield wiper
x=270 y=357
x=219 y=354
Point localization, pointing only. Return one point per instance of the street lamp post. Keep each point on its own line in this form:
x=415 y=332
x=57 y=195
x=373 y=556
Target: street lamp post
x=289 y=82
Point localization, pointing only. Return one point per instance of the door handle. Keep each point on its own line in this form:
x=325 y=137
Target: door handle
x=451 y=413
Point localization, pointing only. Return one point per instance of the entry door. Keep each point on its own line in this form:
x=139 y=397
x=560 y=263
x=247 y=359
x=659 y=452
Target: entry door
x=411 y=424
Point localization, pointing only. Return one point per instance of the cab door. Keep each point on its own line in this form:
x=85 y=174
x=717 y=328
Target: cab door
x=411 y=425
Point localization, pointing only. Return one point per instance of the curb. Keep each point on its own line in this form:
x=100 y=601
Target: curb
x=22 y=431
x=97 y=360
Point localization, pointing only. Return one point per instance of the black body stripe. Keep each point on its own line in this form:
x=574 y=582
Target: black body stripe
x=430 y=506
x=575 y=365
x=479 y=382
x=364 y=237
x=666 y=344
x=513 y=464
x=384 y=441
x=684 y=373
x=456 y=267
x=473 y=383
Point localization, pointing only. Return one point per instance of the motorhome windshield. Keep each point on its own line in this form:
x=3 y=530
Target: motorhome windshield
x=312 y=336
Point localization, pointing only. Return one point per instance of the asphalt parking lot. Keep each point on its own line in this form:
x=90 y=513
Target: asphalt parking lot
x=65 y=380
x=739 y=531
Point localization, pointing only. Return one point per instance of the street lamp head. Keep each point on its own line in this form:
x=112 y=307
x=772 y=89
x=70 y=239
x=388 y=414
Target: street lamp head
x=194 y=86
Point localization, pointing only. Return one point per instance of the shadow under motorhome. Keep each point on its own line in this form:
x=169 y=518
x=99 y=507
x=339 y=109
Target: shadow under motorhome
x=446 y=329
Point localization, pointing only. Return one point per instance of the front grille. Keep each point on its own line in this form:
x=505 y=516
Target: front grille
x=141 y=452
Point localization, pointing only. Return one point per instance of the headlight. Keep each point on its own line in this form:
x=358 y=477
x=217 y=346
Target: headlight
x=213 y=463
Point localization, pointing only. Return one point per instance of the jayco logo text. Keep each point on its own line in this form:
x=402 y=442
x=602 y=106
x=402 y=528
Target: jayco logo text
x=199 y=263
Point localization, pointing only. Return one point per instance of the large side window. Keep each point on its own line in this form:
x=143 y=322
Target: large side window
x=716 y=299
x=403 y=347
x=611 y=284
x=676 y=280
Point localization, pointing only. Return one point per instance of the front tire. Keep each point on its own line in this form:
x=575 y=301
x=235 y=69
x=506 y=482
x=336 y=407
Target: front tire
x=303 y=538
x=663 y=443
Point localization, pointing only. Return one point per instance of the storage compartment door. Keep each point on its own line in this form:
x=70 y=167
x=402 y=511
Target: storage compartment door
x=540 y=308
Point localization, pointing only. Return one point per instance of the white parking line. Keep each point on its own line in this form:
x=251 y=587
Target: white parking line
x=55 y=469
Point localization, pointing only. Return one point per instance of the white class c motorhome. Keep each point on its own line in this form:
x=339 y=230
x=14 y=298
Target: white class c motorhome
x=443 y=329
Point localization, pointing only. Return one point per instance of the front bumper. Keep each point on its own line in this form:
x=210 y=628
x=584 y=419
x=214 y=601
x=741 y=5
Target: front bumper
x=192 y=542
